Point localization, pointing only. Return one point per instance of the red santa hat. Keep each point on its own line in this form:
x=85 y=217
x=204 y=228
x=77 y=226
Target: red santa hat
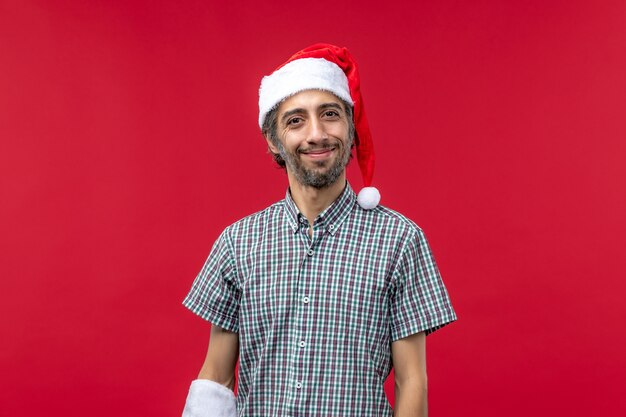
x=329 y=68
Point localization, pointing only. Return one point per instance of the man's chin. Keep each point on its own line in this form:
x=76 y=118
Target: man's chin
x=319 y=180
x=319 y=174
x=313 y=163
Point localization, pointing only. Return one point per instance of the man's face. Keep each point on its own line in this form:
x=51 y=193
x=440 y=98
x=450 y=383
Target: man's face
x=314 y=137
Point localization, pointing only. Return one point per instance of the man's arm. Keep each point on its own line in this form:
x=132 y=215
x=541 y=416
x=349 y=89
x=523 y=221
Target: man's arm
x=211 y=394
x=221 y=358
x=409 y=363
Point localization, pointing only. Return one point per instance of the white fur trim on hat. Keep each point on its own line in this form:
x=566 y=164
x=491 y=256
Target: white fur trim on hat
x=299 y=75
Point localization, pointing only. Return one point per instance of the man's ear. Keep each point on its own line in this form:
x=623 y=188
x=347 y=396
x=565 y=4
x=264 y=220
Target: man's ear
x=270 y=145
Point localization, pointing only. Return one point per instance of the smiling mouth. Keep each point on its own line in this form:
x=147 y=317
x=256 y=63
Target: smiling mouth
x=318 y=152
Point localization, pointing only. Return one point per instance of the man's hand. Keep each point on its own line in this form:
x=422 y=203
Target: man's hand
x=409 y=363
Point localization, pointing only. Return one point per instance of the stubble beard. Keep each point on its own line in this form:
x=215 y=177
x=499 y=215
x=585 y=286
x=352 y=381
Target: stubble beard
x=315 y=178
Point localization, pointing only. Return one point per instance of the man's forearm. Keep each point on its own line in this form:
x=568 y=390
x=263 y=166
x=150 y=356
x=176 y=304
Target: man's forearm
x=411 y=399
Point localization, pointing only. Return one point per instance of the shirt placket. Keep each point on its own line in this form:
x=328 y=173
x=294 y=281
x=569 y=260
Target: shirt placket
x=302 y=328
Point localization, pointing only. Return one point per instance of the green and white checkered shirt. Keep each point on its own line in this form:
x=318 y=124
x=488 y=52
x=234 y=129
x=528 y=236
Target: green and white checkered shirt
x=316 y=315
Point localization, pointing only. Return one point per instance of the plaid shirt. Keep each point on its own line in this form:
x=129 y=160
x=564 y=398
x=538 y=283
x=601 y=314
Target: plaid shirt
x=316 y=315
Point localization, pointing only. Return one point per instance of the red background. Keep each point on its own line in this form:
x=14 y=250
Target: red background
x=129 y=141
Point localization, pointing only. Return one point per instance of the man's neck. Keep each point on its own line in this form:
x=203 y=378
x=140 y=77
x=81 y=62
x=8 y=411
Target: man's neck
x=312 y=201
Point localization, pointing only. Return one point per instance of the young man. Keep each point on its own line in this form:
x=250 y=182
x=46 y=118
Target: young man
x=319 y=294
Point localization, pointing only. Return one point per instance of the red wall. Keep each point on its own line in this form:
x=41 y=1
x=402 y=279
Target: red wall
x=128 y=141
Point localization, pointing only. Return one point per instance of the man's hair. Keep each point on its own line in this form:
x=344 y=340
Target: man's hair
x=270 y=129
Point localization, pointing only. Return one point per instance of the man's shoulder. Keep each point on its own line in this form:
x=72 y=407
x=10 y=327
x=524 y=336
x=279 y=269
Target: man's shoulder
x=257 y=219
x=395 y=220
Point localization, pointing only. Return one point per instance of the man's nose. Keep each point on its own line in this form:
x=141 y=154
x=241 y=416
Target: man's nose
x=317 y=131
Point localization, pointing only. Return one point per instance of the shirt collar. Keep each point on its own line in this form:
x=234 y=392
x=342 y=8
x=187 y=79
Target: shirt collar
x=331 y=218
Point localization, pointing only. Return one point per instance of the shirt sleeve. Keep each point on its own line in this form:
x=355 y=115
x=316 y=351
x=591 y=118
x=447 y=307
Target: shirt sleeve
x=215 y=293
x=420 y=302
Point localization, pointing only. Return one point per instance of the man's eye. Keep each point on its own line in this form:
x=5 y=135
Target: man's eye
x=294 y=121
x=331 y=113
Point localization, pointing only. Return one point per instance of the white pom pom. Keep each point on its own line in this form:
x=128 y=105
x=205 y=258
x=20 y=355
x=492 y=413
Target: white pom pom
x=368 y=198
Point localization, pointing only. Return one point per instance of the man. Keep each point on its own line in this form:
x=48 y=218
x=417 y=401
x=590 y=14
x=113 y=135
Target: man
x=320 y=293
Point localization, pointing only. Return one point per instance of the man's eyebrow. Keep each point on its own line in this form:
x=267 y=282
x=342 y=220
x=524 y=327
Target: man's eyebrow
x=331 y=106
x=289 y=113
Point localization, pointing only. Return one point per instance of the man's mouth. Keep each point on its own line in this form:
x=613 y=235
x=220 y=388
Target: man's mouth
x=318 y=152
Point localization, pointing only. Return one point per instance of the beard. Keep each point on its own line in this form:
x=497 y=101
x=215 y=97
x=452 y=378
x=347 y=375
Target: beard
x=317 y=178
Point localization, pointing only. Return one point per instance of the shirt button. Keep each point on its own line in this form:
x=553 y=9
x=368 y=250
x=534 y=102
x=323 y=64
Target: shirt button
x=310 y=252
x=298 y=385
x=305 y=300
x=331 y=227
x=302 y=343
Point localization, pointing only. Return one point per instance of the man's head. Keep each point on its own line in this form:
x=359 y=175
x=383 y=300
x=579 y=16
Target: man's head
x=311 y=134
x=320 y=69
